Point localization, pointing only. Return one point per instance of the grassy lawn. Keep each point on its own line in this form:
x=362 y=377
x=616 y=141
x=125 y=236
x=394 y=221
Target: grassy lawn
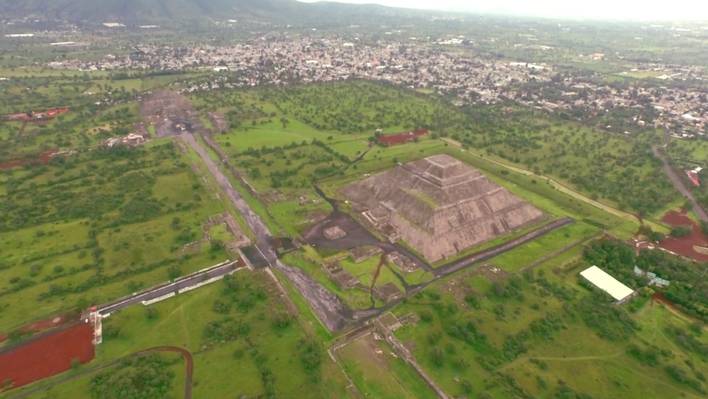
x=378 y=373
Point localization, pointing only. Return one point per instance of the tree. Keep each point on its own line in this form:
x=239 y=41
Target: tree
x=680 y=231
x=142 y=377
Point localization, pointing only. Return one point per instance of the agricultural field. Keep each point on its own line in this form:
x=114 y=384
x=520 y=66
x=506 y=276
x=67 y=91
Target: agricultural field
x=92 y=227
x=689 y=151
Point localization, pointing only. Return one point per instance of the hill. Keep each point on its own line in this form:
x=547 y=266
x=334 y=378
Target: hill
x=147 y=11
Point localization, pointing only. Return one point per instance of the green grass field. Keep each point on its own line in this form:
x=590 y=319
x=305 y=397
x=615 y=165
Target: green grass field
x=378 y=373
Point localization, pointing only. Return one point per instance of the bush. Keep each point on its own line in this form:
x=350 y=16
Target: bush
x=680 y=231
x=311 y=358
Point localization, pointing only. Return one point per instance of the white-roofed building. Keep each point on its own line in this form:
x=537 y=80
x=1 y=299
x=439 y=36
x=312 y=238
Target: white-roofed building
x=600 y=279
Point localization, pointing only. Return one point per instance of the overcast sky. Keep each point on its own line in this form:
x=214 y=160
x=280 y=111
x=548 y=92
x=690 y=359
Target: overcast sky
x=604 y=9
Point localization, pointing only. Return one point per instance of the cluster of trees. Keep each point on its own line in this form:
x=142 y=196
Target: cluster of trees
x=688 y=289
x=543 y=329
x=609 y=322
x=317 y=156
x=237 y=298
x=141 y=377
x=311 y=354
x=226 y=330
x=356 y=107
x=689 y=340
x=89 y=185
x=680 y=375
x=604 y=165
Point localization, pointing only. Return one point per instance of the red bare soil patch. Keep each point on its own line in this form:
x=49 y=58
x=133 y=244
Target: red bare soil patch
x=685 y=246
x=401 y=138
x=36 y=116
x=41 y=159
x=661 y=298
x=43 y=325
x=47 y=355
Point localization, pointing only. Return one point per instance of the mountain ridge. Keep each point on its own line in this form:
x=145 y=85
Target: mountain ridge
x=148 y=11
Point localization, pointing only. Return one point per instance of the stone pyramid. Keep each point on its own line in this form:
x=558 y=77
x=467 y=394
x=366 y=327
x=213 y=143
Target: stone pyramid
x=439 y=205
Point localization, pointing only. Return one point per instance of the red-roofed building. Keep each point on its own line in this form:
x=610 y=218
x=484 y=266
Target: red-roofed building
x=693 y=177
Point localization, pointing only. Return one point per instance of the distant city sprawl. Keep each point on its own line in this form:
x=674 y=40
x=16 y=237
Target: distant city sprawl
x=438 y=66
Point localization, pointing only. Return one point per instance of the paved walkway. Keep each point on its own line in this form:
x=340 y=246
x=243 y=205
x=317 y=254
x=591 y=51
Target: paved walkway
x=183 y=283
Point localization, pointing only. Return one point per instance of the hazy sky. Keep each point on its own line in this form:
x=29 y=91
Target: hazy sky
x=606 y=9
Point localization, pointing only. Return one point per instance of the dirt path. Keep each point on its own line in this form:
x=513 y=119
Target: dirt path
x=671 y=307
x=562 y=359
x=678 y=183
x=553 y=254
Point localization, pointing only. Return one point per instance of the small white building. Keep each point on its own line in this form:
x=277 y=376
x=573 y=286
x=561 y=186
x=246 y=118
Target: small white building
x=600 y=279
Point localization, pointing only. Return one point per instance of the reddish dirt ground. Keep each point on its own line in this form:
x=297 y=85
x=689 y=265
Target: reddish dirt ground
x=43 y=158
x=401 y=138
x=660 y=298
x=685 y=246
x=47 y=355
x=36 y=116
x=43 y=325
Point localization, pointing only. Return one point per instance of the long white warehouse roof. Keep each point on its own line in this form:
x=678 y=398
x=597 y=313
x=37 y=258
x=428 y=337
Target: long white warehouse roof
x=607 y=283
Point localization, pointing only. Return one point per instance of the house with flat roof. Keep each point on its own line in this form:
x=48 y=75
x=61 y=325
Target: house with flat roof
x=602 y=280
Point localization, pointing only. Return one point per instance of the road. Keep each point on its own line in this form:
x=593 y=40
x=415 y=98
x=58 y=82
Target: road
x=677 y=181
x=333 y=313
x=168 y=288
